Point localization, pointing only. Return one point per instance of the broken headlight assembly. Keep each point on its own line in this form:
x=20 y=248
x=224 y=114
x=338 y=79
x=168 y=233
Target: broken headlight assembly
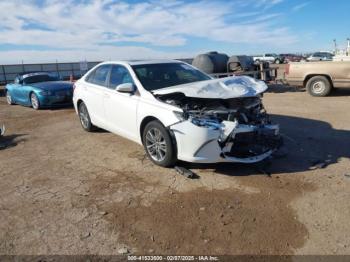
x=208 y=123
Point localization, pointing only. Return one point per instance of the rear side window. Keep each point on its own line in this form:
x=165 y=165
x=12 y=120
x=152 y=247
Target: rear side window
x=99 y=75
x=119 y=75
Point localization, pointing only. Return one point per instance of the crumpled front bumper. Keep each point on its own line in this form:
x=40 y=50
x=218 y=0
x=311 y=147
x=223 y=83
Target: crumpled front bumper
x=232 y=142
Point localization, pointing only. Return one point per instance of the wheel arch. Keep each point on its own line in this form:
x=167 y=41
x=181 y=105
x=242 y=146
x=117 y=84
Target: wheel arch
x=148 y=119
x=308 y=77
x=79 y=102
x=144 y=122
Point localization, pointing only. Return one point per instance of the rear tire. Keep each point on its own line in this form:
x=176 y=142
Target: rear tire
x=158 y=144
x=318 y=86
x=34 y=101
x=84 y=118
x=9 y=98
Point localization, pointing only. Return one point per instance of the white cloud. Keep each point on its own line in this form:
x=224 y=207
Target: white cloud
x=85 y=25
x=299 y=6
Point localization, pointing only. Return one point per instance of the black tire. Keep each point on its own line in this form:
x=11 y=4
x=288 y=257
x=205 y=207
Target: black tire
x=318 y=86
x=158 y=156
x=84 y=118
x=34 y=100
x=9 y=98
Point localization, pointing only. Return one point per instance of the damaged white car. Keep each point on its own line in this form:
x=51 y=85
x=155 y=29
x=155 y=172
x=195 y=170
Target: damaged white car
x=178 y=112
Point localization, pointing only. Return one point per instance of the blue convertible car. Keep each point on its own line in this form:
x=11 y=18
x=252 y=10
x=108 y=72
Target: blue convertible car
x=39 y=90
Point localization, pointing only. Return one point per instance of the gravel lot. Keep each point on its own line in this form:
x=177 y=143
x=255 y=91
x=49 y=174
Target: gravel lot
x=65 y=191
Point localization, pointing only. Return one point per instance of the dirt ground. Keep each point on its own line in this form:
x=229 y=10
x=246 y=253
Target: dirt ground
x=66 y=191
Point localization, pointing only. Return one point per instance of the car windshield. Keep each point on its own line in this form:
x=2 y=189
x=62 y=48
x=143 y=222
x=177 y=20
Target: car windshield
x=39 y=78
x=157 y=76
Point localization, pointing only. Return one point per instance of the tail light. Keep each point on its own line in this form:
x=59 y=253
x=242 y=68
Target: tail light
x=287 y=69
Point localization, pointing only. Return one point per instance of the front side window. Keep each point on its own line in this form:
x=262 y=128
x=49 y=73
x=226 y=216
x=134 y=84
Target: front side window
x=119 y=75
x=99 y=75
x=157 y=76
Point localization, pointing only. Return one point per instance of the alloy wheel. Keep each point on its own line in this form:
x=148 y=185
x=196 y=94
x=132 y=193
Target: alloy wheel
x=8 y=98
x=34 y=100
x=84 y=116
x=156 y=144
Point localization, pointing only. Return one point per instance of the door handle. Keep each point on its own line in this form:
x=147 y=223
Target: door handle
x=106 y=95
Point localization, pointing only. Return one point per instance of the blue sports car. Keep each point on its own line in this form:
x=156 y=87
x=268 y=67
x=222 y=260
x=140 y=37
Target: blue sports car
x=39 y=90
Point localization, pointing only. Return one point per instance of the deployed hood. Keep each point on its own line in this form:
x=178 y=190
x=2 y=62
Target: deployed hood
x=53 y=85
x=221 y=88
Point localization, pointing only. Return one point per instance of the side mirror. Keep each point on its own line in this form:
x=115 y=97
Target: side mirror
x=126 y=88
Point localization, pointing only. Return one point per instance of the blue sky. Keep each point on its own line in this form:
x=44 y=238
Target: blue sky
x=73 y=30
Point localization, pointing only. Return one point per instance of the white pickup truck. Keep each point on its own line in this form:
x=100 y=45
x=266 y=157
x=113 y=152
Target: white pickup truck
x=271 y=58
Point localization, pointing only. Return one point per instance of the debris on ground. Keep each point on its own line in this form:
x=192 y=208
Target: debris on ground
x=102 y=213
x=347 y=175
x=186 y=172
x=318 y=164
x=123 y=251
x=86 y=235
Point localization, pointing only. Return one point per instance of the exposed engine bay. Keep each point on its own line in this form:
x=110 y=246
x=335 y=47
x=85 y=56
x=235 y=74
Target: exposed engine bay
x=247 y=110
x=245 y=133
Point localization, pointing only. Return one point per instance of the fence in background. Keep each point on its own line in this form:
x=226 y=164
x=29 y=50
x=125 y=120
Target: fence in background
x=77 y=69
x=65 y=70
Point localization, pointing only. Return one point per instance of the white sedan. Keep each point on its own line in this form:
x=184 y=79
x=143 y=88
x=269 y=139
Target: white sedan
x=178 y=112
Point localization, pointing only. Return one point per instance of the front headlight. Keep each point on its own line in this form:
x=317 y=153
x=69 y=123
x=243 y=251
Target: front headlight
x=46 y=93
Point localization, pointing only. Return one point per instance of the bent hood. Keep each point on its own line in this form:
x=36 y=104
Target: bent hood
x=221 y=88
x=53 y=85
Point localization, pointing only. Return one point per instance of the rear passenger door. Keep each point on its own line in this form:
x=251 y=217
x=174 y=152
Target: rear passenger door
x=121 y=108
x=95 y=87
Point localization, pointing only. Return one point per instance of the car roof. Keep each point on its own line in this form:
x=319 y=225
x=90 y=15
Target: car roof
x=143 y=62
x=33 y=73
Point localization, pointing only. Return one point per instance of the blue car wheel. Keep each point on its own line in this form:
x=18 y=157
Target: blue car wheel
x=9 y=98
x=34 y=101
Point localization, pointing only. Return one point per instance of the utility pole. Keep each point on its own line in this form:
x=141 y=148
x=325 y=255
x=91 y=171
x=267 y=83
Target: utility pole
x=335 y=46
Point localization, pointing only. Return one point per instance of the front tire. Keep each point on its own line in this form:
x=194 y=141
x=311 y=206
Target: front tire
x=318 y=86
x=34 y=101
x=158 y=144
x=9 y=98
x=85 y=119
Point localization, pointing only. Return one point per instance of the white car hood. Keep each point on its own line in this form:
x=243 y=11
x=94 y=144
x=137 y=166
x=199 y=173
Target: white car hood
x=222 y=88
